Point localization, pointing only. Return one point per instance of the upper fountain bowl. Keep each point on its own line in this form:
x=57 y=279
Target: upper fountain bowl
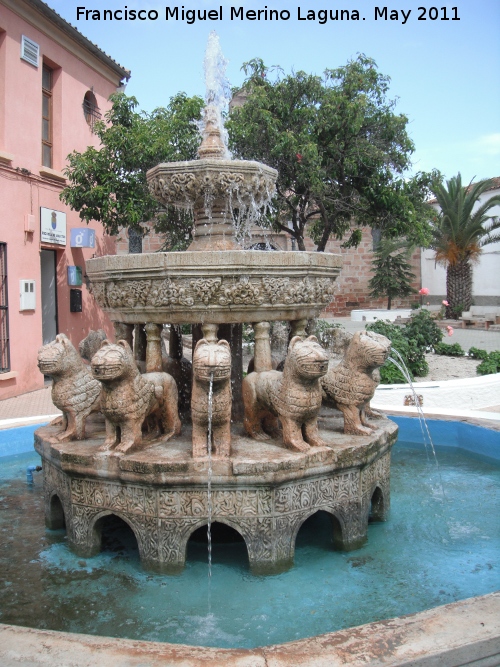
x=196 y=184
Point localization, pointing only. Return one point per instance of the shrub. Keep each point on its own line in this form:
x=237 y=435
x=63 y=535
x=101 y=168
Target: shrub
x=454 y=350
x=476 y=353
x=409 y=349
x=423 y=329
x=490 y=365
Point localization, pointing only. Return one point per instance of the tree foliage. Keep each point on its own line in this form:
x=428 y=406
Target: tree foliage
x=461 y=229
x=108 y=184
x=392 y=271
x=340 y=149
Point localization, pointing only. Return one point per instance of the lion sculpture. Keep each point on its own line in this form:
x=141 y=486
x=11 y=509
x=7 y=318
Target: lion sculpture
x=91 y=343
x=74 y=391
x=349 y=386
x=293 y=396
x=129 y=399
x=211 y=359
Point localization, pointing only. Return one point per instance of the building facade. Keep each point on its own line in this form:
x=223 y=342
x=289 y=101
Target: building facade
x=54 y=84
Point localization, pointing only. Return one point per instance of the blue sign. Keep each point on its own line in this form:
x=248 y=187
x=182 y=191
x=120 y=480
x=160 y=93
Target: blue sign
x=75 y=276
x=82 y=237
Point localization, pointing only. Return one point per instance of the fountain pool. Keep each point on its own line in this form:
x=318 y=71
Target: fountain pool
x=437 y=548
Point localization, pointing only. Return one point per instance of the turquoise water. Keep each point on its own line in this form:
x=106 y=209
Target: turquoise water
x=436 y=547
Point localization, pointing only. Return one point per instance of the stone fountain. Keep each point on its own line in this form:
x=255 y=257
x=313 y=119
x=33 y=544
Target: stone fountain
x=269 y=471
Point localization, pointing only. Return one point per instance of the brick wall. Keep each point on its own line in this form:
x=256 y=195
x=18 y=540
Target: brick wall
x=352 y=284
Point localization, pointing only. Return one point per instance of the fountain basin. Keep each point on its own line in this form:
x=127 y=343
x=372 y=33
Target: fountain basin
x=228 y=286
x=264 y=491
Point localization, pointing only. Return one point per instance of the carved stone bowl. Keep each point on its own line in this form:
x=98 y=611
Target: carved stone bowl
x=231 y=286
x=192 y=184
x=264 y=492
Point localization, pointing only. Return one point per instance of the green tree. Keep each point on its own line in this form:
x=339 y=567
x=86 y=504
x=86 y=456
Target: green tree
x=340 y=150
x=392 y=271
x=108 y=184
x=459 y=233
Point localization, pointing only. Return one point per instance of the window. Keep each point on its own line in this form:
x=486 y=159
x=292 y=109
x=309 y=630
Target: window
x=46 y=116
x=90 y=109
x=4 y=312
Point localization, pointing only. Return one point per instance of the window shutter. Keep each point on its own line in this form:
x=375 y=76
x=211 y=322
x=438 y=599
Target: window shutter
x=30 y=50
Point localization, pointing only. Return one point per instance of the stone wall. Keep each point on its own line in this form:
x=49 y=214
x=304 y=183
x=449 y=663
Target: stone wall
x=352 y=290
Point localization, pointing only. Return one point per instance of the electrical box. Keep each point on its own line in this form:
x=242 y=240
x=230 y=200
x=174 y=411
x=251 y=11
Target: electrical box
x=75 y=301
x=27 y=294
x=29 y=223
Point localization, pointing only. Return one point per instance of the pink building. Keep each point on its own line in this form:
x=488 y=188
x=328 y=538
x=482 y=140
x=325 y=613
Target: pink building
x=54 y=83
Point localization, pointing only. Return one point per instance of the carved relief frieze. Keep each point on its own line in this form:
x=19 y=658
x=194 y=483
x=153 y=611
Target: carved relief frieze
x=376 y=473
x=217 y=291
x=133 y=499
x=205 y=289
x=241 y=292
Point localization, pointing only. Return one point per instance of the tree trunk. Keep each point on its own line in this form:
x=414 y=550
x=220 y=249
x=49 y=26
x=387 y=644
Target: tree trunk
x=458 y=288
x=389 y=302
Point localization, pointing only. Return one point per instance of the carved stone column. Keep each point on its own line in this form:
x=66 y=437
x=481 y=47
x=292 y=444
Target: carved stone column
x=233 y=333
x=153 y=347
x=139 y=343
x=210 y=332
x=262 y=354
x=298 y=328
x=124 y=332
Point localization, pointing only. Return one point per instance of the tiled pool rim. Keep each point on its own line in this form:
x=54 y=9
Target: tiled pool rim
x=448 y=636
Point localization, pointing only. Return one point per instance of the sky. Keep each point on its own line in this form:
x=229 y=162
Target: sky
x=445 y=74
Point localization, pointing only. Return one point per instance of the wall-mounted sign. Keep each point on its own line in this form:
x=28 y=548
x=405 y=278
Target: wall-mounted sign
x=75 y=276
x=82 y=237
x=52 y=226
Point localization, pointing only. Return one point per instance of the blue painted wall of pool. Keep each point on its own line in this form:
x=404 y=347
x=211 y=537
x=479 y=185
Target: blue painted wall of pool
x=477 y=439
x=18 y=440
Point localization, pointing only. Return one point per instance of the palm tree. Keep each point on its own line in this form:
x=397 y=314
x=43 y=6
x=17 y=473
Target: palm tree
x=460 y=231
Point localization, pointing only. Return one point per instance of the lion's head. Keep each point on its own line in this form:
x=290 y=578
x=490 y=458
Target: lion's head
x=368 y=350
x=211 y=358
x=113 y=361
x=306 y=359
x=58 y=357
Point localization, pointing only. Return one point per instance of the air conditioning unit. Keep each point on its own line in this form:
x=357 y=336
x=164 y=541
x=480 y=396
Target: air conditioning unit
x=27 y=294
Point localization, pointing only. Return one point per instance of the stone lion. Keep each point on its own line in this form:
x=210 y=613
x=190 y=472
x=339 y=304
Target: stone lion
x=128 y=398
x=293 y=396
x=91 y=343
x=74 y=391
x=211 y=358
x=350 y=385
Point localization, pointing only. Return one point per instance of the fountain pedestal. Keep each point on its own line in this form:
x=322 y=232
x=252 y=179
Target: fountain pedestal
x=263 y=491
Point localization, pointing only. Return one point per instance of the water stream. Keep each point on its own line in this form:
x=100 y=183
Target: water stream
x=209 y=488
x=426 y=436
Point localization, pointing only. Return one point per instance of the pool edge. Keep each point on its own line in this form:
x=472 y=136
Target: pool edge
x=450 y=635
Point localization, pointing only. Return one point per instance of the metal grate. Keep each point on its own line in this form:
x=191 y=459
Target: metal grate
x=4 y=312
x=90 y=109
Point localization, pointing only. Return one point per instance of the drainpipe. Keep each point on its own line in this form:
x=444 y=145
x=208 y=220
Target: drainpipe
x=29 y=473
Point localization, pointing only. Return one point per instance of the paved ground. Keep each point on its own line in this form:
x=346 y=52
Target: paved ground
x=39 y=403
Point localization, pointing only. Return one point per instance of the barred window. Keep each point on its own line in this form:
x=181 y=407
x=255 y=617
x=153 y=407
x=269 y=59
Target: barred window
x=90 y=109
x=4 y=312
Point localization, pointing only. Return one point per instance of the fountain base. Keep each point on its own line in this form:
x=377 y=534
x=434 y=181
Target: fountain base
x=263 y=491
